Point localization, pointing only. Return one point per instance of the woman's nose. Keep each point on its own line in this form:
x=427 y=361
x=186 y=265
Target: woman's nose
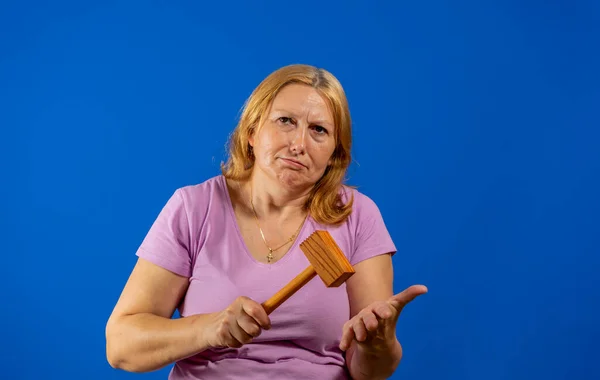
x=297 y=143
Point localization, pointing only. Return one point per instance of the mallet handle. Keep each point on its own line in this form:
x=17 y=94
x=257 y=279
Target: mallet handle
x=287 y=291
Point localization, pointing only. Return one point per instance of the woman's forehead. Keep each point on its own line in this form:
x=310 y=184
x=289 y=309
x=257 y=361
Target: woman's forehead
x=302 y=100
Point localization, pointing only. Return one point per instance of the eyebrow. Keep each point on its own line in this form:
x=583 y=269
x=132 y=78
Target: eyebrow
x=295 y=114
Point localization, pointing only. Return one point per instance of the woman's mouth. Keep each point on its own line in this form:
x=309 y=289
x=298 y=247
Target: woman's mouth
x=293 y=162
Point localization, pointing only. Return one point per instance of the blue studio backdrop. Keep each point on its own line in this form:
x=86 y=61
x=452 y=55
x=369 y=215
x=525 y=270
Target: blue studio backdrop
x=475 y=131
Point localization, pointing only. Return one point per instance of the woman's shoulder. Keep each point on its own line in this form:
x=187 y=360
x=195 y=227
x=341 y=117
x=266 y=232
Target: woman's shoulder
x=364 y=233
x=197 y=199
x=360 y=200
x=204 y=191
x=365 y=210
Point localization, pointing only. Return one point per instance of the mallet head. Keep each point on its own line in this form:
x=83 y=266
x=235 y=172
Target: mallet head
x=327 y=258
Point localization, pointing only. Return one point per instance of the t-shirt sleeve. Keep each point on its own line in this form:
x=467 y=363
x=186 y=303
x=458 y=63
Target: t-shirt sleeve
x=167 y=242
x=372 y=236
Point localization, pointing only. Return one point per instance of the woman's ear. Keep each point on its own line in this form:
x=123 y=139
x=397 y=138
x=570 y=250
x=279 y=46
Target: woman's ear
x=251 y=134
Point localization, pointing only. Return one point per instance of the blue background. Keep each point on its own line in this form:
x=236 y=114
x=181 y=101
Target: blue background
x=476 y=132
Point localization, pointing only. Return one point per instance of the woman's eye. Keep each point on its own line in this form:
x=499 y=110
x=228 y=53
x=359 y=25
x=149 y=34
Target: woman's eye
x=285 y=120
x=320 y=130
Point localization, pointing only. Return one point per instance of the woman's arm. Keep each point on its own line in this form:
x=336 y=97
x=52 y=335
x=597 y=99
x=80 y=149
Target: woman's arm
x=371 y=285
x=140 y=334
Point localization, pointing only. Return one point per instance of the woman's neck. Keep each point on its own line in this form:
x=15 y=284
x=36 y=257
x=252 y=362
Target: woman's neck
x=271 y=200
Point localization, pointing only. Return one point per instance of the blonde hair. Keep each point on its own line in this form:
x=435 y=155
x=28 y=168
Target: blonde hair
x=325 y=202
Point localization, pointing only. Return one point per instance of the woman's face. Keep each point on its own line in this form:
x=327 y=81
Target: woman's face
x=297 y=139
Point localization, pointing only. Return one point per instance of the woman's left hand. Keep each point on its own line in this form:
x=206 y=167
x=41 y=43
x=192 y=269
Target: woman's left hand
x=374 y=327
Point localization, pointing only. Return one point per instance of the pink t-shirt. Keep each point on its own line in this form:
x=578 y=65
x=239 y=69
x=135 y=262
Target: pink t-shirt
x=196 y=235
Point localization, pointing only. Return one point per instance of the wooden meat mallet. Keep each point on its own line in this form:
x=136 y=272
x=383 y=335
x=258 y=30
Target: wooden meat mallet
x=326 y=259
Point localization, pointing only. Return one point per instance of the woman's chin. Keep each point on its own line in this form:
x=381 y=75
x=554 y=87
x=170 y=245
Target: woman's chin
x=294 y=181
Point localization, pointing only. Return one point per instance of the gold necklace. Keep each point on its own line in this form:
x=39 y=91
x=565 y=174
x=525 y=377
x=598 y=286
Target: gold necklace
x=271 y=250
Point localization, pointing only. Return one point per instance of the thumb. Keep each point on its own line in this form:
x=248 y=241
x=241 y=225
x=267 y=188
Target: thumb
x=398 y=301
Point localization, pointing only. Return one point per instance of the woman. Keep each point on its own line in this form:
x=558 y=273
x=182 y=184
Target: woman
x=220 y=248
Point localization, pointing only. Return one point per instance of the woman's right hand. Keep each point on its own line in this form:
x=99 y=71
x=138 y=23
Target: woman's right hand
x=241 y=322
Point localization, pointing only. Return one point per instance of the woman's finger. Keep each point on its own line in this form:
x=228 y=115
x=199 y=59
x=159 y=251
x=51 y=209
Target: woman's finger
x=384 y=311
x=239 y=333
x=249 y=325
x=401 y=299
x=360 y=330
x=347 y=336
x=256 y=312
x=370 y=321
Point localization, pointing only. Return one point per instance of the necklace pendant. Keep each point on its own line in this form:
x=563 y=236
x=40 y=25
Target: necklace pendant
x=269 y=257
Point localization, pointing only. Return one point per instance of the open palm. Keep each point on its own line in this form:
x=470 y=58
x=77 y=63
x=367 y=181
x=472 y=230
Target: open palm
x=374 y=327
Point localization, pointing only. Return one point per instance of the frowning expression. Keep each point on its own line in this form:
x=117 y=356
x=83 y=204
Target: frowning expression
x=297 y=138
